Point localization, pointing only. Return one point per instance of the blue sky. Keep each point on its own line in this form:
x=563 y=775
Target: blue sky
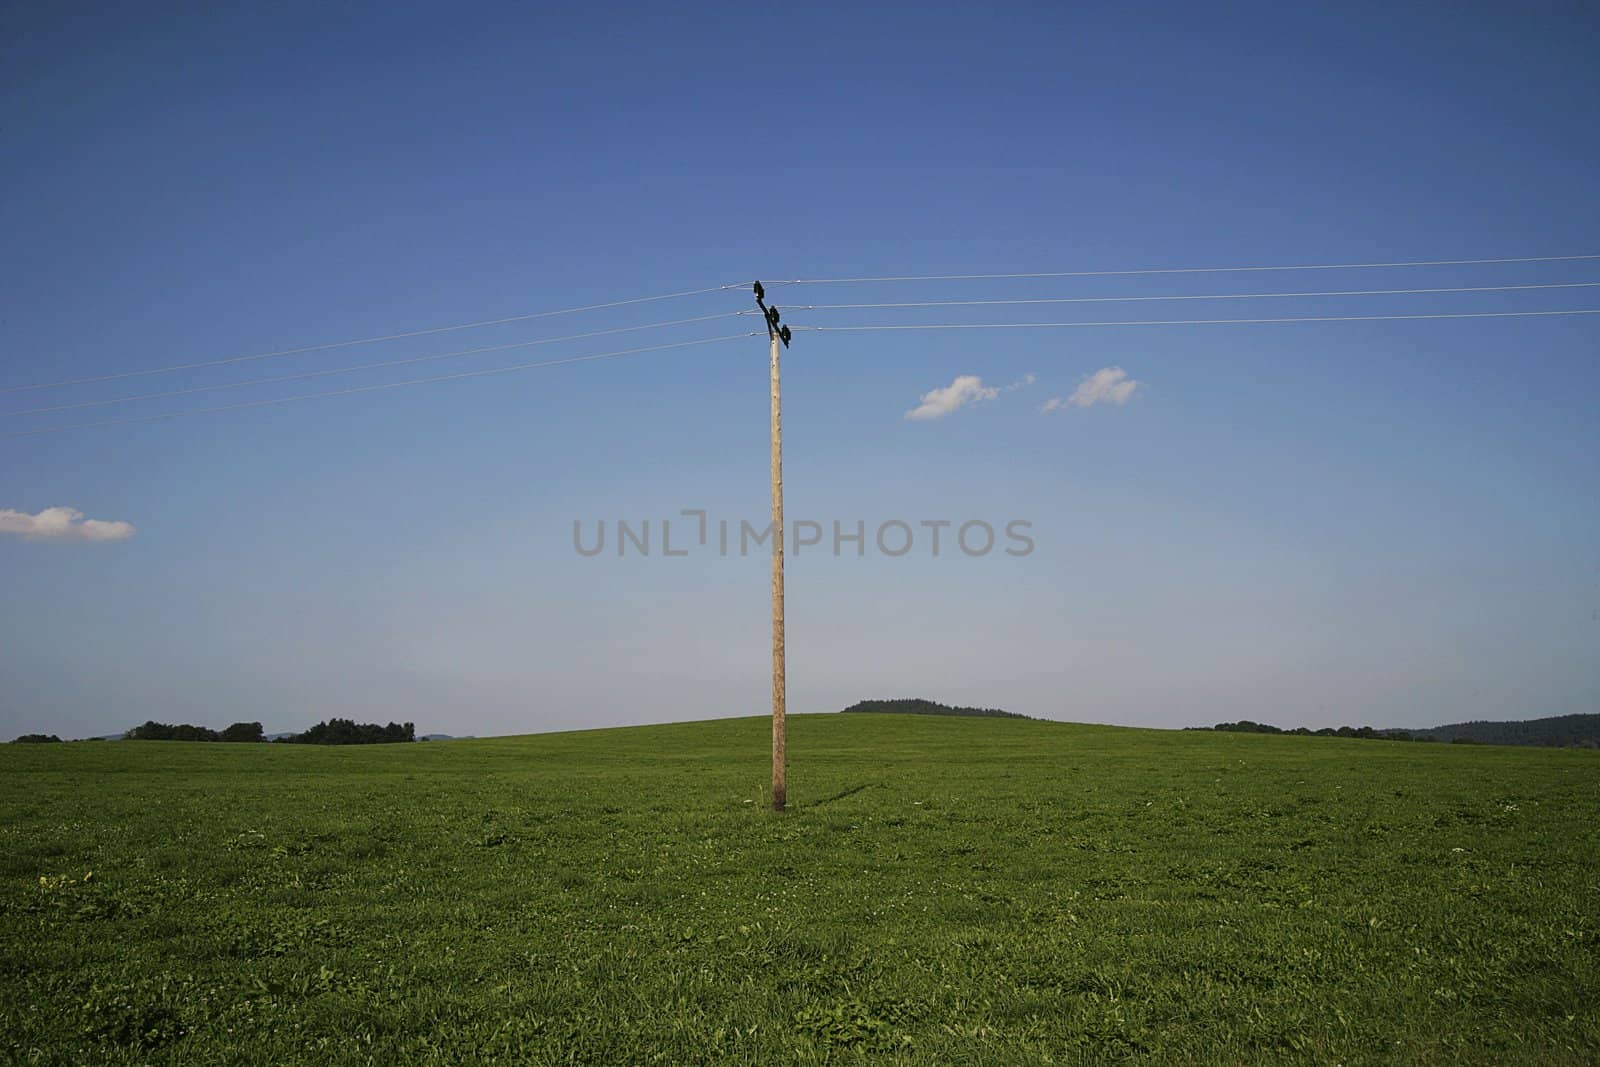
x=1392 y=522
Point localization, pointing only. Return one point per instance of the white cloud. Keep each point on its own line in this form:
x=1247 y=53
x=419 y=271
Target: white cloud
x=966 y=389
x=62 y=524
x=1108 y=385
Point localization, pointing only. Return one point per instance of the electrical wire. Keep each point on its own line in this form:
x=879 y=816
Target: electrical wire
x=1201 y=296
x=368 y=340
x=1179 y=270
x=382 y=385
x=1192 y=322
x=365 y=366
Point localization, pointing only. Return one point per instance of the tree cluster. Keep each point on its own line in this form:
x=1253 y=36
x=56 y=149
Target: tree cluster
x=37 y=739
x=927 y=707
x=160 y=731
x=349 y=732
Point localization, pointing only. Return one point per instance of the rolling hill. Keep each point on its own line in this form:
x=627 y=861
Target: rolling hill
x=943 y=889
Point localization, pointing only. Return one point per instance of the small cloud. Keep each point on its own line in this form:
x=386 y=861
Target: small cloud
x=966 y=389
x=62 y=524
x=1108 y=385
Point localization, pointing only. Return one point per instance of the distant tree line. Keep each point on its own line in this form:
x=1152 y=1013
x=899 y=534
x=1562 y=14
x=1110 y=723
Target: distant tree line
x=331 y=732
x=37 y=739
x=1245 y=726
x=927 y=707
x=160 y=731
x=349 y=732
x=1560 y=731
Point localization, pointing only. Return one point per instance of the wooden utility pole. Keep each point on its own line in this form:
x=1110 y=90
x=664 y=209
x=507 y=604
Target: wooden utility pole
x=775 y=334
x=779 y=681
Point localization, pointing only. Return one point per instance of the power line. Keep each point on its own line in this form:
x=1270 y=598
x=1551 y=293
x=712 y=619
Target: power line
x=1200 y=296
x=365 y=366
x=382 y=385
x=1180 y=270
x=1195 y=322
x=368 y=340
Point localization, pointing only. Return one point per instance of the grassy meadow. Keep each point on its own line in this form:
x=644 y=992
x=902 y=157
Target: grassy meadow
x=942 y=890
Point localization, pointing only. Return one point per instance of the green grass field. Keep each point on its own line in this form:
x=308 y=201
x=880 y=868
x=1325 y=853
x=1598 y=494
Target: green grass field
x=941 y=890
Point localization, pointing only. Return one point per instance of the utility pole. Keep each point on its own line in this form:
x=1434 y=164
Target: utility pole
x=776 y=333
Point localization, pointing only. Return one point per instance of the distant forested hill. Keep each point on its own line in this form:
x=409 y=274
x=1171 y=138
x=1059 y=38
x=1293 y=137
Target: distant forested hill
x=1559 y=731
x=1562 y=731
x=927 y=707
